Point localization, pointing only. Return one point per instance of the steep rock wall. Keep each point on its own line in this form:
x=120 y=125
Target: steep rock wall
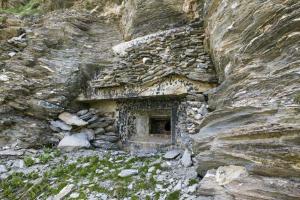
x=256 y=117
x=43 y=71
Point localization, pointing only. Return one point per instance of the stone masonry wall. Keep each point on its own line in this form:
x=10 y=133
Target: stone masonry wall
x=188 y=113
x=174 y=52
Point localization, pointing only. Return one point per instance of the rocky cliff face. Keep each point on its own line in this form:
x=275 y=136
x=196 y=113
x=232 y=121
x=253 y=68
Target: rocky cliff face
x=44 y=64
x=255 y=47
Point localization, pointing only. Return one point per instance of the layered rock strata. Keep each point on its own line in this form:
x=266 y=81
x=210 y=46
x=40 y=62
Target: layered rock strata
x=256 y=117
x=44 y=69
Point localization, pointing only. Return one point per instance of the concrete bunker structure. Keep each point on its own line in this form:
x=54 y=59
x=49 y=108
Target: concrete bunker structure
x=155 y=89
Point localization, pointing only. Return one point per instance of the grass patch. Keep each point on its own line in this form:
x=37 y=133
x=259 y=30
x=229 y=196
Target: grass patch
x=31 y=8
x=157 y=196
x=173 y=195
x=28 y=161
x=40 y=186
x=193 y=181
x=44 y=158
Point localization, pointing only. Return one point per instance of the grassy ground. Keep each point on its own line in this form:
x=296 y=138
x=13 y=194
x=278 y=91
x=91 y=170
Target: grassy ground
x=86 y=174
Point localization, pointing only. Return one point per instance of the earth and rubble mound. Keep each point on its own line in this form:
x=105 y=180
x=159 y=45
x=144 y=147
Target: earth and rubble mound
x=133 y=99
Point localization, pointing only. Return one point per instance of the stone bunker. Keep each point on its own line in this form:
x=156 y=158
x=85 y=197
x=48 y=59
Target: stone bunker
x=156 y=88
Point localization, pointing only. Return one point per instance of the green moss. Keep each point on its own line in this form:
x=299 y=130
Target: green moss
x=45 y=158
x=148 y=197
x=173 y=195
x=156 y=196
x=134 y=197
x=193 y=181
x=28 y=161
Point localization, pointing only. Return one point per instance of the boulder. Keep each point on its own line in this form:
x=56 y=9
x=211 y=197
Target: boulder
x=171 y=154
x=227 y=174
x=74 y=141
x=18 y=164
x=88 y=132
x=71 y=119
x=147 y=60
x=186 y=159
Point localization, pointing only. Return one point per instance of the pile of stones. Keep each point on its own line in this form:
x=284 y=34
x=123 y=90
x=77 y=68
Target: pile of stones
x=85 y=129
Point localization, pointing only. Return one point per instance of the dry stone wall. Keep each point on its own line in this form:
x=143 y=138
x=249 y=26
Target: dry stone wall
x=177 y=52
x=86 y=128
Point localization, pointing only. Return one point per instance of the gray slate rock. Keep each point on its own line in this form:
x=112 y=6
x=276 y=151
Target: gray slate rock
x=64 y=192
x=89 y=132
x=186 y=159
x=93 y=119
x=86 y=116
x=9 y=152
x=100 y=131
x=128 y=172
x=109 y=138
x=71 y=119
x=110 y=129
x=82 y=112
x=104 y=145
x=61 y=125
x=99 y=124
x=2 y=169
x=78 y=140
x=172 y=154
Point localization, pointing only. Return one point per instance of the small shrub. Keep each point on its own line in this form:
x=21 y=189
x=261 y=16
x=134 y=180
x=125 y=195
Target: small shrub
x=157 y=195
x=28 y=161
x=173 y=195
x=193 y=181
x=148 y=197
x=45 y=157
x=121 y=192
x=134 y=197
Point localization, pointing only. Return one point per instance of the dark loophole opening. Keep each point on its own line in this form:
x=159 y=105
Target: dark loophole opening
x=168 y=125
x=160 y=125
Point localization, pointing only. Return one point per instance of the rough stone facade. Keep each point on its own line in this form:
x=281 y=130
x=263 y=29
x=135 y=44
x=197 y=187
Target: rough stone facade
x=152 y=70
